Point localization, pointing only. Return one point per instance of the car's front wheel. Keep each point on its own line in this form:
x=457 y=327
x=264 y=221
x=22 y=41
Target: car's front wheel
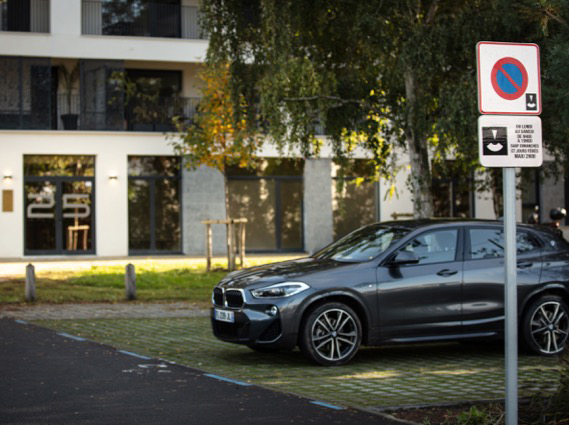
x=546 y=325
x=331 y=334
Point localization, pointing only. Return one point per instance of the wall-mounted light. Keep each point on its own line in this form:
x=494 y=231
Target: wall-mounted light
x=113 y=177
x=8 y=178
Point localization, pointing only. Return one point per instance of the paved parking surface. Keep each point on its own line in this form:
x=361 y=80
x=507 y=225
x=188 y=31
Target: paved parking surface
x=99 y=310
x=54 y=378
x=377 y=379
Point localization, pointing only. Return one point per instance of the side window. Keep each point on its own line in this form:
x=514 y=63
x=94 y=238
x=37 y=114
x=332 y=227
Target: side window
x=489 y=243
x=526 y=243
x=551 y=243
x=486 y=243
x=438 y=246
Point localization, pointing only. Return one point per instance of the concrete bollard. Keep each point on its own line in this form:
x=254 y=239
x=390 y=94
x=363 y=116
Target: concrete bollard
x=30 y=283
x=130 y=282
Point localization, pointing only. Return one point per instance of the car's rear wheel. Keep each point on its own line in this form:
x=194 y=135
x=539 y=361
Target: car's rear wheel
x=331 y=334
x=546 y=325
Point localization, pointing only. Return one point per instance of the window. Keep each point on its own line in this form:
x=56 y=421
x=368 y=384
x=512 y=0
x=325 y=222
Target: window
x=354 y=197
x=59 y=207
x=451 y=186
x=270 y=197
x=154 y=207
x=531 y=194
x=438 y=246
x=489 y=243
x=363 y=244
x=154 y=100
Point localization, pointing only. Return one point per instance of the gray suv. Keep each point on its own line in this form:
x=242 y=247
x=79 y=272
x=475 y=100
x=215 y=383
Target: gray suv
x=398 y=282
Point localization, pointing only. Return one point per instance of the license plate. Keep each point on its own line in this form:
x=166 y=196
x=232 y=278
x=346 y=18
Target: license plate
x=224 y=316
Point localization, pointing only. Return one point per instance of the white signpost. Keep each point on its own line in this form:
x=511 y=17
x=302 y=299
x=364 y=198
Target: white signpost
x=510 y=141
x=508 y=78
x=509 y=85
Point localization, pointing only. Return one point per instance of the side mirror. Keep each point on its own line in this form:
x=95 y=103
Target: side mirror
x=403 y=258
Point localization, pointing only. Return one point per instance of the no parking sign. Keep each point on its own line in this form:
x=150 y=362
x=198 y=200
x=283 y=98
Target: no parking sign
x=508 y=78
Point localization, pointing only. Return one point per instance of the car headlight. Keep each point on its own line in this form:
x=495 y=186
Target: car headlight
x=280 y=290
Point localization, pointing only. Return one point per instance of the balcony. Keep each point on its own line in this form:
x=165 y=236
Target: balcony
x=152 y=116
x=140 y=19
x=36 y=95
x=24 y=15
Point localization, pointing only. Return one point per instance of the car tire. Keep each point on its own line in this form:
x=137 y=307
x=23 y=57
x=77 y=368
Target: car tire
x=331 y=334
x=546 y=326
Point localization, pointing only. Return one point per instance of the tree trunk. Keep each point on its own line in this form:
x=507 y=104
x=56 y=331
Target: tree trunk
x=417 y=146
x=497 y=199
x=228 y=227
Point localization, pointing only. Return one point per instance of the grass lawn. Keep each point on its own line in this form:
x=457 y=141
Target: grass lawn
x=156 y=280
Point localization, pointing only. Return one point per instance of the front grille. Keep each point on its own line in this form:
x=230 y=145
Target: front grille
x=218 y=296
x=230 y=331
x=234 y=298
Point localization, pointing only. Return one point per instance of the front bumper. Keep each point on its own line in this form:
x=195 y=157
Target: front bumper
x=255 y=325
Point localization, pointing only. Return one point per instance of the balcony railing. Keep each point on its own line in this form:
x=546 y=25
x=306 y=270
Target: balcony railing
x=68 y=113
x=140 y=19
x=24 y=15
x=151 y=115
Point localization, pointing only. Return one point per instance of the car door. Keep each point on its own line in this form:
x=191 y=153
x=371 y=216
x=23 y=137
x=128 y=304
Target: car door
x=423 y=300
x=484 y=276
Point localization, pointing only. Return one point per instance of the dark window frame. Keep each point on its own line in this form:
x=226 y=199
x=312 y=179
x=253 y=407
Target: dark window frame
x=467 y=242
x=376 y=200
x=152 y=179
x=59 y=240
x=278 y=212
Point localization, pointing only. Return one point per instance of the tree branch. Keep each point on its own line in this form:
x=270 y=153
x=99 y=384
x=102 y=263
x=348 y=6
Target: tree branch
x=556 y=18
x=432 y=11
x=310 y=98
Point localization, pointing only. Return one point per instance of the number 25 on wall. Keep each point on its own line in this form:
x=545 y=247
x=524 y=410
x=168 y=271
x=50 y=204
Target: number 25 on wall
x=70 y=201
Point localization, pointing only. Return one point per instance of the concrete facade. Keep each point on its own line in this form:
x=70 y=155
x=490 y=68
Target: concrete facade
x=203 y=198
x=318 y=219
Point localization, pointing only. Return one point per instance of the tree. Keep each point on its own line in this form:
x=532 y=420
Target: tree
x=220 y=133
x=377 y=73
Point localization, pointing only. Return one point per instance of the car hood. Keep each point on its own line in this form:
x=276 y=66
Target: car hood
x=279 y=272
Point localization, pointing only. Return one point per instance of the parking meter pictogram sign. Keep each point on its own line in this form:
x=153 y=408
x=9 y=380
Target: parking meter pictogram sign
x=509 y=78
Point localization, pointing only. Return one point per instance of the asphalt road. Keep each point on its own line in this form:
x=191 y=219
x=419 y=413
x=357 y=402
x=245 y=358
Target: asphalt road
x=51 y=378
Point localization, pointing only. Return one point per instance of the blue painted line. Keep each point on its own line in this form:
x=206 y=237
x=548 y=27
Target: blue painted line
x=221 y=378
x=134 y=355
x=329 y=406
x=21 y=322
x=76 y=338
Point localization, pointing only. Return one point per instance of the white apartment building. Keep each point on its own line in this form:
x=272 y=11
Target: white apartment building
x=87 y=169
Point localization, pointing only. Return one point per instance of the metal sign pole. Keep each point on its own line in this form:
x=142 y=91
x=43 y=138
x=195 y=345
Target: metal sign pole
x=510 y=297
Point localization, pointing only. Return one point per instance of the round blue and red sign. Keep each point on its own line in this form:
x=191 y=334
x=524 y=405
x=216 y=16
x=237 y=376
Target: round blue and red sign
x=509 y=78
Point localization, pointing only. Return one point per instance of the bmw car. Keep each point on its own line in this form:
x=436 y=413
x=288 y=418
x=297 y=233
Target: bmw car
x=400 y=282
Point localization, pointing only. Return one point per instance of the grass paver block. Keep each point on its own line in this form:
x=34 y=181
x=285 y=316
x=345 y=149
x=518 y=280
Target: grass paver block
x=376 y=378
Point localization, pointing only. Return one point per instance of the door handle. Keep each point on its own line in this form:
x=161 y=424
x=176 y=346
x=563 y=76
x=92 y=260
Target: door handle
x=447 y=272
x=524 y=265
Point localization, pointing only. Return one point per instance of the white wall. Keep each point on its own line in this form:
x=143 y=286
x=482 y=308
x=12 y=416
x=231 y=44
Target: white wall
x=111 y=151
x=66 y=41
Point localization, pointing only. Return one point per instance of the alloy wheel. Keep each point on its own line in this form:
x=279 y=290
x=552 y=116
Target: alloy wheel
x=549 y=327
x=334 y=335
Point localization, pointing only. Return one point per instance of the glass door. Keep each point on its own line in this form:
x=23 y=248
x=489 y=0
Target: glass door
x=59 y=205
x=154 y=205
x=40 y=216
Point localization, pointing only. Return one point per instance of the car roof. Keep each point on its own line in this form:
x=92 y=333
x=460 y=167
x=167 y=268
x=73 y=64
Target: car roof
x=424 y=222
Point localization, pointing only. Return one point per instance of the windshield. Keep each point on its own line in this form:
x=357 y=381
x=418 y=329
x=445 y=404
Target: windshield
x=363 y=244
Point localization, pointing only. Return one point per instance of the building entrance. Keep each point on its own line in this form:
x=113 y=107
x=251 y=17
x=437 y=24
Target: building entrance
x=59 y=205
